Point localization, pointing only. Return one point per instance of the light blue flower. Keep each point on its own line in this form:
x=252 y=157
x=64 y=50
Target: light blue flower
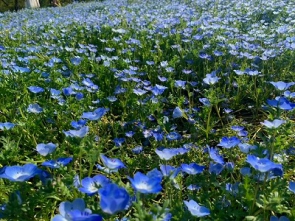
x=45 y=149
x=273 y=124
x=34 y=108
x=195 y=209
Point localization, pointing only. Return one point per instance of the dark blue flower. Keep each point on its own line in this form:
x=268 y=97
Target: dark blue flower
x=292 y=186
x=119 y=141
x=113 y=198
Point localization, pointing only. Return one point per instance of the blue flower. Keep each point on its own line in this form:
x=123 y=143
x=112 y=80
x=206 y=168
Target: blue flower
x=211 y=79
x=77 y=133
x=34 y=108
x=282 y=218
x=273 y=124
x=165 y=153
x=177 y=113
x=6 y=126
x=214 y=155
x=146 y=184
x=192 y=168
x=91 y=186
x=76 y=60
x=78 y=124
x=281 y=85
x=137 y=149
x=19 y=173
x=139 y=91
x=195 y=209
x=96 y=114
x=113 y=198
x=229 y=142
x=215 y=168
x=263 y=165
x=158 y=89
x=75 y=211
x=111 y=164
x=292 y=186
x=245 y=147
x=119 y=141
x=205 y=101
x=180 y=83
x=36 y=89
x=281 y=103
x=63 y=161
x=173 y=136
x=45 y=149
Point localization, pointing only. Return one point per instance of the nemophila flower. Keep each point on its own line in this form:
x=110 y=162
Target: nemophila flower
x=215 y=168
x=211 y=79
x=166 y=153
x=80 y=133
x=76 y=181
x=173 y=136
x=281 y=85
x=137 y=149
x=158 y=135
x=180 y=84
x=6 y=126
x=129 y=134
x=68 y=91
x=232 y=188
x=75 y=211
x=90 y=186
x=263 y=165
x=195 y=209
x=177 y=113
x=289 y=94
x=79 y=96
x=193 y=187
x=229 y=142
x=96 y=114
x=192 y=168
x=111 y=164
x=243 y=133
x=146 y=184
x=119 y=141
x=273 y=124
x=292 y=186
x=158 y=89
x=78 y=124
x=214 y=155
x=76 y=60
x=205 y=101
x=162 y=78
x=281 y=103
x=113 y=198
x=282 y=218
x=62 y=161
x=170 y=171
x=154 y=173
x=139 y=91
x=245 y=171
x=34 y=108
x=237 y=128
x=45 y=149
x=36 y=89
x=245 y=147
x=19 y=173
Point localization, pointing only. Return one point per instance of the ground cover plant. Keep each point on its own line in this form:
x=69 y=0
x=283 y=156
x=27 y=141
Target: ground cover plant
x=148 y=110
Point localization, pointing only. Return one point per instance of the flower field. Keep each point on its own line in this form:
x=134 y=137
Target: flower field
x=148 y=110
